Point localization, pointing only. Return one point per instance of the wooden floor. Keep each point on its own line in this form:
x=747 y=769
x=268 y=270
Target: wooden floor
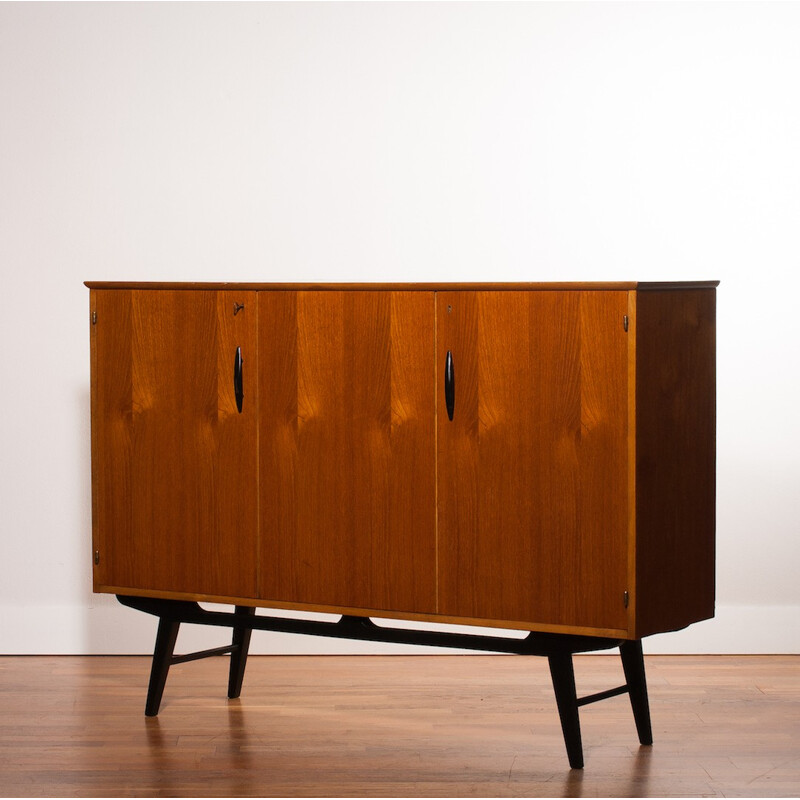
x=396 y=726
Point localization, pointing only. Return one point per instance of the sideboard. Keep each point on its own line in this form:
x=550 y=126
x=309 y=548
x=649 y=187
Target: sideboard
x=539 y=457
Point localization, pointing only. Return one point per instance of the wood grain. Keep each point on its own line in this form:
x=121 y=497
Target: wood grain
x=675 y=458
x=175 y=463
x=603 y=500
x=348 y=463
x=112 y=407
x=401 y=726
x=533 y=467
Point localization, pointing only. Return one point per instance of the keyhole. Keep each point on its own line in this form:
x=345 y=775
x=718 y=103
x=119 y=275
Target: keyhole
x=237 y=307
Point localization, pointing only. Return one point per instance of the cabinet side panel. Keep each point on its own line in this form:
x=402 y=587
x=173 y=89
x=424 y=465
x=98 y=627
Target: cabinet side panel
x=111 y=434
x=675 y=458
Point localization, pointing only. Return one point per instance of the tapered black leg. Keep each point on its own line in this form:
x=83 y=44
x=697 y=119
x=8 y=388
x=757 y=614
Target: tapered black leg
x=162 y=658
x=241 y=642
x=567 y=700
x=633 y=665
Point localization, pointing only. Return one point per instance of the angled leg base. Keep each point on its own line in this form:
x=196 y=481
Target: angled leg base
x=162 y=660
x=633 y=665
x=240 y=647
x=557 y=648
x=563 y=676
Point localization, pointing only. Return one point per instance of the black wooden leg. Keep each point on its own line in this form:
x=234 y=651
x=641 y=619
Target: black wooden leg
x=162 y=658
x=241 y=644
x=567 y=700
x=633 y=665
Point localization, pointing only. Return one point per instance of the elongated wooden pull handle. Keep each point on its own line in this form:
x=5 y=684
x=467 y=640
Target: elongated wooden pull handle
x=449 y=386
x=238 y=384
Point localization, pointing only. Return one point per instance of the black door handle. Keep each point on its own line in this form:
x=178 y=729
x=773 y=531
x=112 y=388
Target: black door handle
x=449 y=385
x=238 y=384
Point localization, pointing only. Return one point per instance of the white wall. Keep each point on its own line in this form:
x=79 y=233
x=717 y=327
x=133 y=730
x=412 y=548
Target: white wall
x=374 y=142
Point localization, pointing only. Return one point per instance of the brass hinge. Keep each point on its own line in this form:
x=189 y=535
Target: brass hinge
x=96 y=556
x=625 y=322
x=625 y=599
x=94 y=318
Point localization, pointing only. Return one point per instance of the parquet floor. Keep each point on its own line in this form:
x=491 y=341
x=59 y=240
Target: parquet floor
x=395 y=726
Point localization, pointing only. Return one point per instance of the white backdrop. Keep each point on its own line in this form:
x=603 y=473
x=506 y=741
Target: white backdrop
x=394 y=142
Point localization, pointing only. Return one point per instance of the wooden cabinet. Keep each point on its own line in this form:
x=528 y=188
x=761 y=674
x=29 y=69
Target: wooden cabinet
x=572 y=491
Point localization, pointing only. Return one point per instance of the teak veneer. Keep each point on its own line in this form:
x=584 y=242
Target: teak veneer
x=530 y=456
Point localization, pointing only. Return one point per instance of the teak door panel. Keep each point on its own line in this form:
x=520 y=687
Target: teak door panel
x=347 y=449
x=532 y=470
x=174 y=462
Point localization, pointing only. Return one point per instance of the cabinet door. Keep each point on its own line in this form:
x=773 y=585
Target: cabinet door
x=174 y=462
x=347 y=458
x=532 y=469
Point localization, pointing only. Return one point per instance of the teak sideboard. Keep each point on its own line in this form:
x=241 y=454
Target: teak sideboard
x=531 y=456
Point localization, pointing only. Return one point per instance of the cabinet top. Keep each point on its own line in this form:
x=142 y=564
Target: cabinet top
x=614 y=286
